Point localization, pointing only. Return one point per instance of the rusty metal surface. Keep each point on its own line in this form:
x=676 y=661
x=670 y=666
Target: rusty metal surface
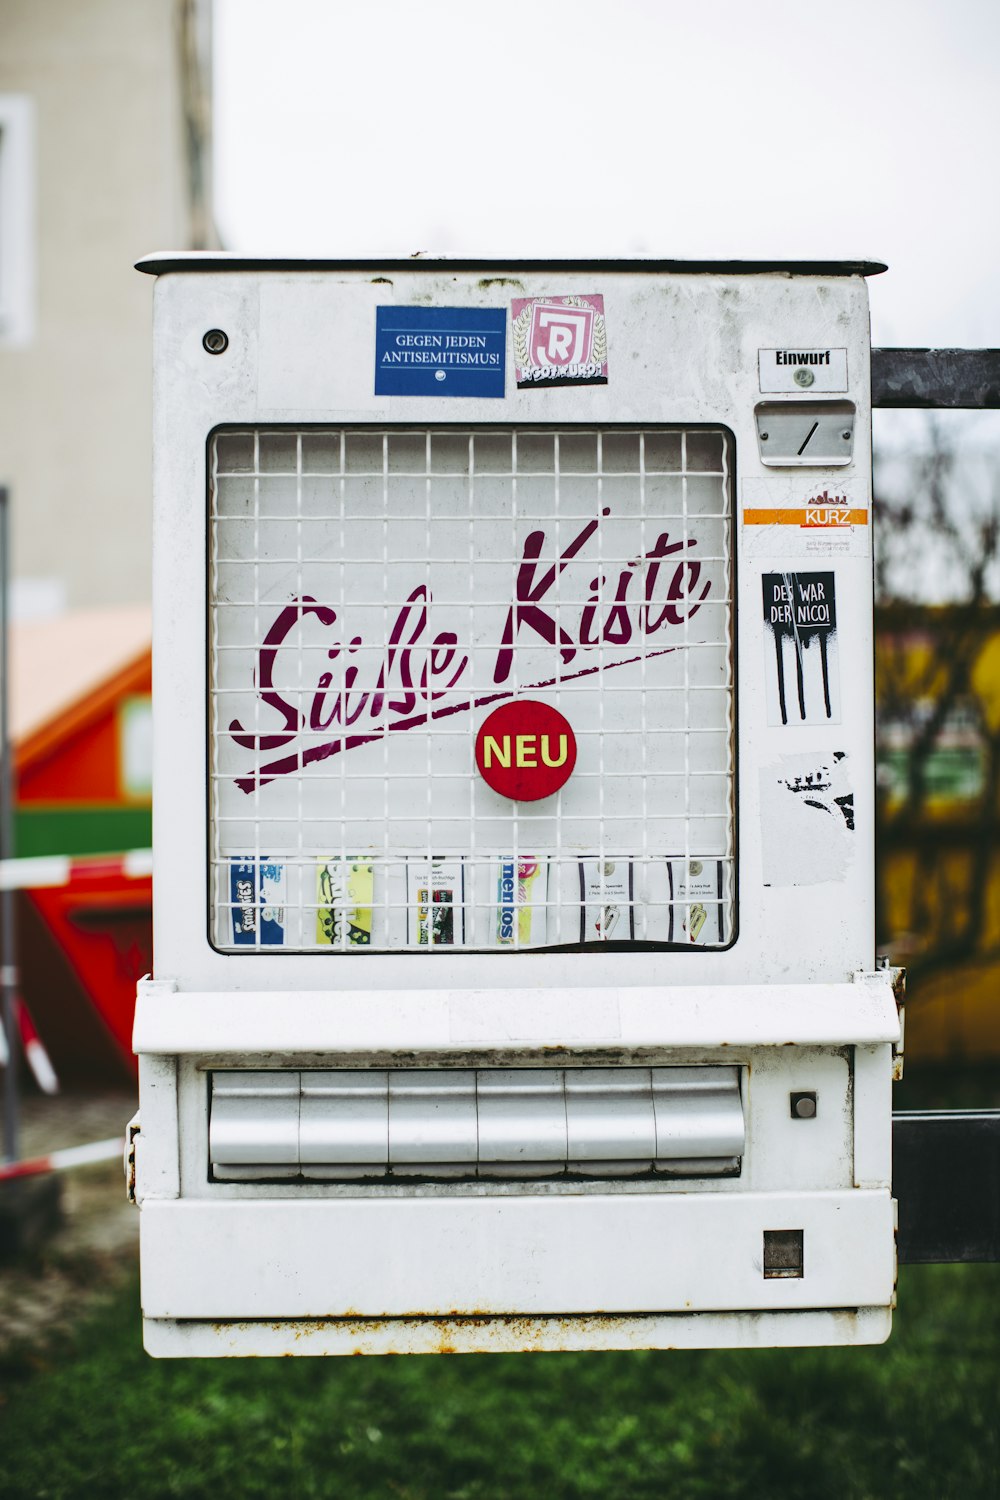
x=497 y=1335
x=131 y=1134
x=946 y=1178
x=966 y=379
x=899 y=995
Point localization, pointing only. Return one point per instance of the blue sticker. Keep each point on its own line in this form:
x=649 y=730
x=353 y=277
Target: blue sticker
x=440 y=351
x=252 y=910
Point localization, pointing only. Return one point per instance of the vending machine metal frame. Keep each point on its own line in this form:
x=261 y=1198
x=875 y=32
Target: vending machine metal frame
x=365 y=1132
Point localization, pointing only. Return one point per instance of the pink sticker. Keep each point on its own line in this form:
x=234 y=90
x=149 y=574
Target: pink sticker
x=560 y=340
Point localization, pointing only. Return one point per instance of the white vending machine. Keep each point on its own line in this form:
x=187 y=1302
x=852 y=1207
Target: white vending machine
x=514 y=807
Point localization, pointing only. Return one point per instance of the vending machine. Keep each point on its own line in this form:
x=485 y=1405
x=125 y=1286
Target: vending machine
x=514 y=800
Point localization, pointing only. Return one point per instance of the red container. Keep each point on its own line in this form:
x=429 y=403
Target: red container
x=81 y=721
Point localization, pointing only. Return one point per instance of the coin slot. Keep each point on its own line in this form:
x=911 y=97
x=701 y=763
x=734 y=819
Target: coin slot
x=803 y=434
x=805 y=442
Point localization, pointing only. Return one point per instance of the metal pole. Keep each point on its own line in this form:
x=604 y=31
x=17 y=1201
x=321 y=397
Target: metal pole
x=8 y=940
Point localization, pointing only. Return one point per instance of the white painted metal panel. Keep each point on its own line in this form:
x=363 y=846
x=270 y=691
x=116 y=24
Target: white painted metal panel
x=345 y=1022
x=510 y=1255
x=685 y=352
x=157 y=1164
x=669 y=1261
x=803 y=1154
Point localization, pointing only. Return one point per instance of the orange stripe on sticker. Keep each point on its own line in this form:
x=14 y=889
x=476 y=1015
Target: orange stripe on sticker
x=807 y=515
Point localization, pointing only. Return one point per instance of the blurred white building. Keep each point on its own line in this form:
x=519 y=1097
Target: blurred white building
x=104 y=155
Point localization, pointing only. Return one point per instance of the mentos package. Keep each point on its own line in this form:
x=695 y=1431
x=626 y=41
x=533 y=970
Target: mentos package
x=345 y=898
x=696 y=912
x=522 y=885
x=258 y=894
x=607 y=908
x=435 y=902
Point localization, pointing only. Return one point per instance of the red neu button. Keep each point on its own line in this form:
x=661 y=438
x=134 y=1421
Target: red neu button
x=526 y=751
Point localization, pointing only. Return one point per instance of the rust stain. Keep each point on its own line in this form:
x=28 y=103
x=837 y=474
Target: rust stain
x=899 y=995
x=130 y=1184
x=523 y=1055
x=459 y=1333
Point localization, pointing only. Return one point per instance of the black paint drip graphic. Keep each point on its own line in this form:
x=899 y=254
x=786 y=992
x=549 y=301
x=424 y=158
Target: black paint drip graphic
x=814 y=782
x=802 y=608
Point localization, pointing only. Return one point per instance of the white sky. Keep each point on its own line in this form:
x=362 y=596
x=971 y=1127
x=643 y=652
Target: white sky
x=721 y=129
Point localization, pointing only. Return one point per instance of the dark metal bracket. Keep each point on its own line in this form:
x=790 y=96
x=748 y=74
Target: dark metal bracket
x=955 y=379
x=945 y=1163
x=946 y=1180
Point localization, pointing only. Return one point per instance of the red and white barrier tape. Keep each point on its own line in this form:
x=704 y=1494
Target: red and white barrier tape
x=47 y=870
x=34 y=1050
x=60 y=870
x=59 y=1161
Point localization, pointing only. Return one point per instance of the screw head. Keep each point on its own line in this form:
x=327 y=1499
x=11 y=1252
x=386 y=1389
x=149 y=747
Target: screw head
x=846 y=435
x=215 y=341
x=763 y=437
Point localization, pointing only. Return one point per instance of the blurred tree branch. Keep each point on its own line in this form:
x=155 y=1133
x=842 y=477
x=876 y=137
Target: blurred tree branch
x=931 y=679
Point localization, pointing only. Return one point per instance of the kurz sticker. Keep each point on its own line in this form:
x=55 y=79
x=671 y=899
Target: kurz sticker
x=780 y=521
x=560 y=340
x=802 y=668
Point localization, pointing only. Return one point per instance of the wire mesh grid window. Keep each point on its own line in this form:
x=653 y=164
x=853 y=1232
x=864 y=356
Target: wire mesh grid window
x=375 y=594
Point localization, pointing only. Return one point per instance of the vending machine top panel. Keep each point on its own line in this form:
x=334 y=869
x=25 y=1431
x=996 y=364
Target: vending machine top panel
x=513 y=623
x=163 y=262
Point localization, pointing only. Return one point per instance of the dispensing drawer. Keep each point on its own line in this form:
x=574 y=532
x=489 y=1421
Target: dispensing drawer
x=343 y=1124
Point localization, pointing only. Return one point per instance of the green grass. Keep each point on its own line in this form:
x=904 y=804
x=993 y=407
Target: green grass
x=917 y=1417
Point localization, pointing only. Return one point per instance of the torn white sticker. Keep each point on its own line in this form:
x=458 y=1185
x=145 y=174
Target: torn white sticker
x=807 y=819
